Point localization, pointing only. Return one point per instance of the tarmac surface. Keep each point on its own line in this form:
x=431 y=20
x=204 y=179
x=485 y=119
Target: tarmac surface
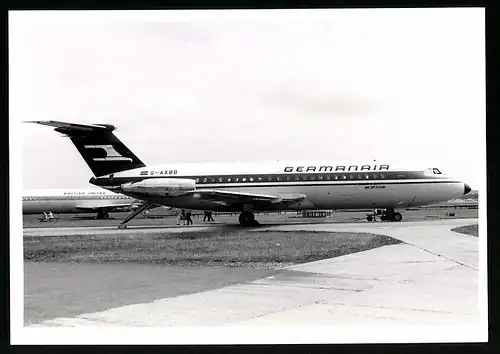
x=55 y=289
x=159 y=218
x=69 y=225
x=431 y=278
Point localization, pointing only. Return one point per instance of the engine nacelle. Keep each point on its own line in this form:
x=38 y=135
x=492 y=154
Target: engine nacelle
x=160 y=187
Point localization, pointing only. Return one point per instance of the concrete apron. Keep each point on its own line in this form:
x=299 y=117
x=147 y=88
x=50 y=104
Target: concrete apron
x=433 y=279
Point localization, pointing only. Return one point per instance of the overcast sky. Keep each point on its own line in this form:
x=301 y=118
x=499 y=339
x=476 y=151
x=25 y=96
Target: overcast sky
x=404 y=85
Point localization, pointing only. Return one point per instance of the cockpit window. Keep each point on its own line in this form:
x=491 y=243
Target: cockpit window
x=436 y=171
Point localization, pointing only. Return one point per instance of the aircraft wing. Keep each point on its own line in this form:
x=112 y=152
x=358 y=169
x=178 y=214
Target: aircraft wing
x=97 y=207
x=227 y=197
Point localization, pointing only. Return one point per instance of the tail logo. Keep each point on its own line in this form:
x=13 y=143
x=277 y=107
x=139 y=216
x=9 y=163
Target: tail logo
x=106 y=153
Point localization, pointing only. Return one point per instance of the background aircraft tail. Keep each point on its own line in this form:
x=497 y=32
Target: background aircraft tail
x=103 y=152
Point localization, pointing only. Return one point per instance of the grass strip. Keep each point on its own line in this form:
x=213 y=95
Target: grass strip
x=266 y=249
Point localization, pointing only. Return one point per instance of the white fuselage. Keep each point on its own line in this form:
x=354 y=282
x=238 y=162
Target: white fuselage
x=327 y=185
x=72 y=201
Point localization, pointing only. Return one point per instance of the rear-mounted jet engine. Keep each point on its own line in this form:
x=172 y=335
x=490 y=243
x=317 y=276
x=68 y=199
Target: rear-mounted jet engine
x=160 y=187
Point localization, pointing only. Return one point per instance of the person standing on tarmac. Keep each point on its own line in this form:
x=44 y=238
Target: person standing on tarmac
x=188 y=217
x=181 y=217
x=208 y=216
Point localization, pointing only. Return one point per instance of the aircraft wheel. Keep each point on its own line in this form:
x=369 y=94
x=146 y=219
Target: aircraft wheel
x=102 y=215
x=369 y=218
x=122 y=226
x=397 y=217
x=246 y=218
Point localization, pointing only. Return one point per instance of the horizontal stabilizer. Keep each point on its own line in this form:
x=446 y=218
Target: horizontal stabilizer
x=74 y=128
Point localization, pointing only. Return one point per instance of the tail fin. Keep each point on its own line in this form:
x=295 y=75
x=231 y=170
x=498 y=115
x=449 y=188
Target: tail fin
x=103 y=152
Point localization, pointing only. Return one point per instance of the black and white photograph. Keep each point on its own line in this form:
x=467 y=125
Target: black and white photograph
x=248 y=176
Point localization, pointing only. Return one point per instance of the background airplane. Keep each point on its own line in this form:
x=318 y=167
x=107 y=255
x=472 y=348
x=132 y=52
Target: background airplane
x=98 y=201
x=244 y=187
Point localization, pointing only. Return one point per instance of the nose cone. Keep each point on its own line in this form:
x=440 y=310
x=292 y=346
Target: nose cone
x=467 y=189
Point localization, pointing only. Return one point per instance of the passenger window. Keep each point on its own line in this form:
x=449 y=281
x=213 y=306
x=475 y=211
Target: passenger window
x=244 y=179
x=360 y=177
x=259 y=179
x=320 y=177
x=328 y=177
x=288 y=178
x=401 y=175
x=251 y=179
x=277 y=178
x=197 y=180
x=367 y=176
x=220 y=179
x=351 y=176
x=344 y=177
x=436 y=171
x=297 y=178
x=304 y=177
x=382 y=176
x=313 y=178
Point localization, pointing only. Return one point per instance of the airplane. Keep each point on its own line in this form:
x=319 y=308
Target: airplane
x=249 y=187
x=98 y=201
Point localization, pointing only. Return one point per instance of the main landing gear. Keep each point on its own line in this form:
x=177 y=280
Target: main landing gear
x=387 y=215
x=136 y=212
x=102 y=214
x=247 y=218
